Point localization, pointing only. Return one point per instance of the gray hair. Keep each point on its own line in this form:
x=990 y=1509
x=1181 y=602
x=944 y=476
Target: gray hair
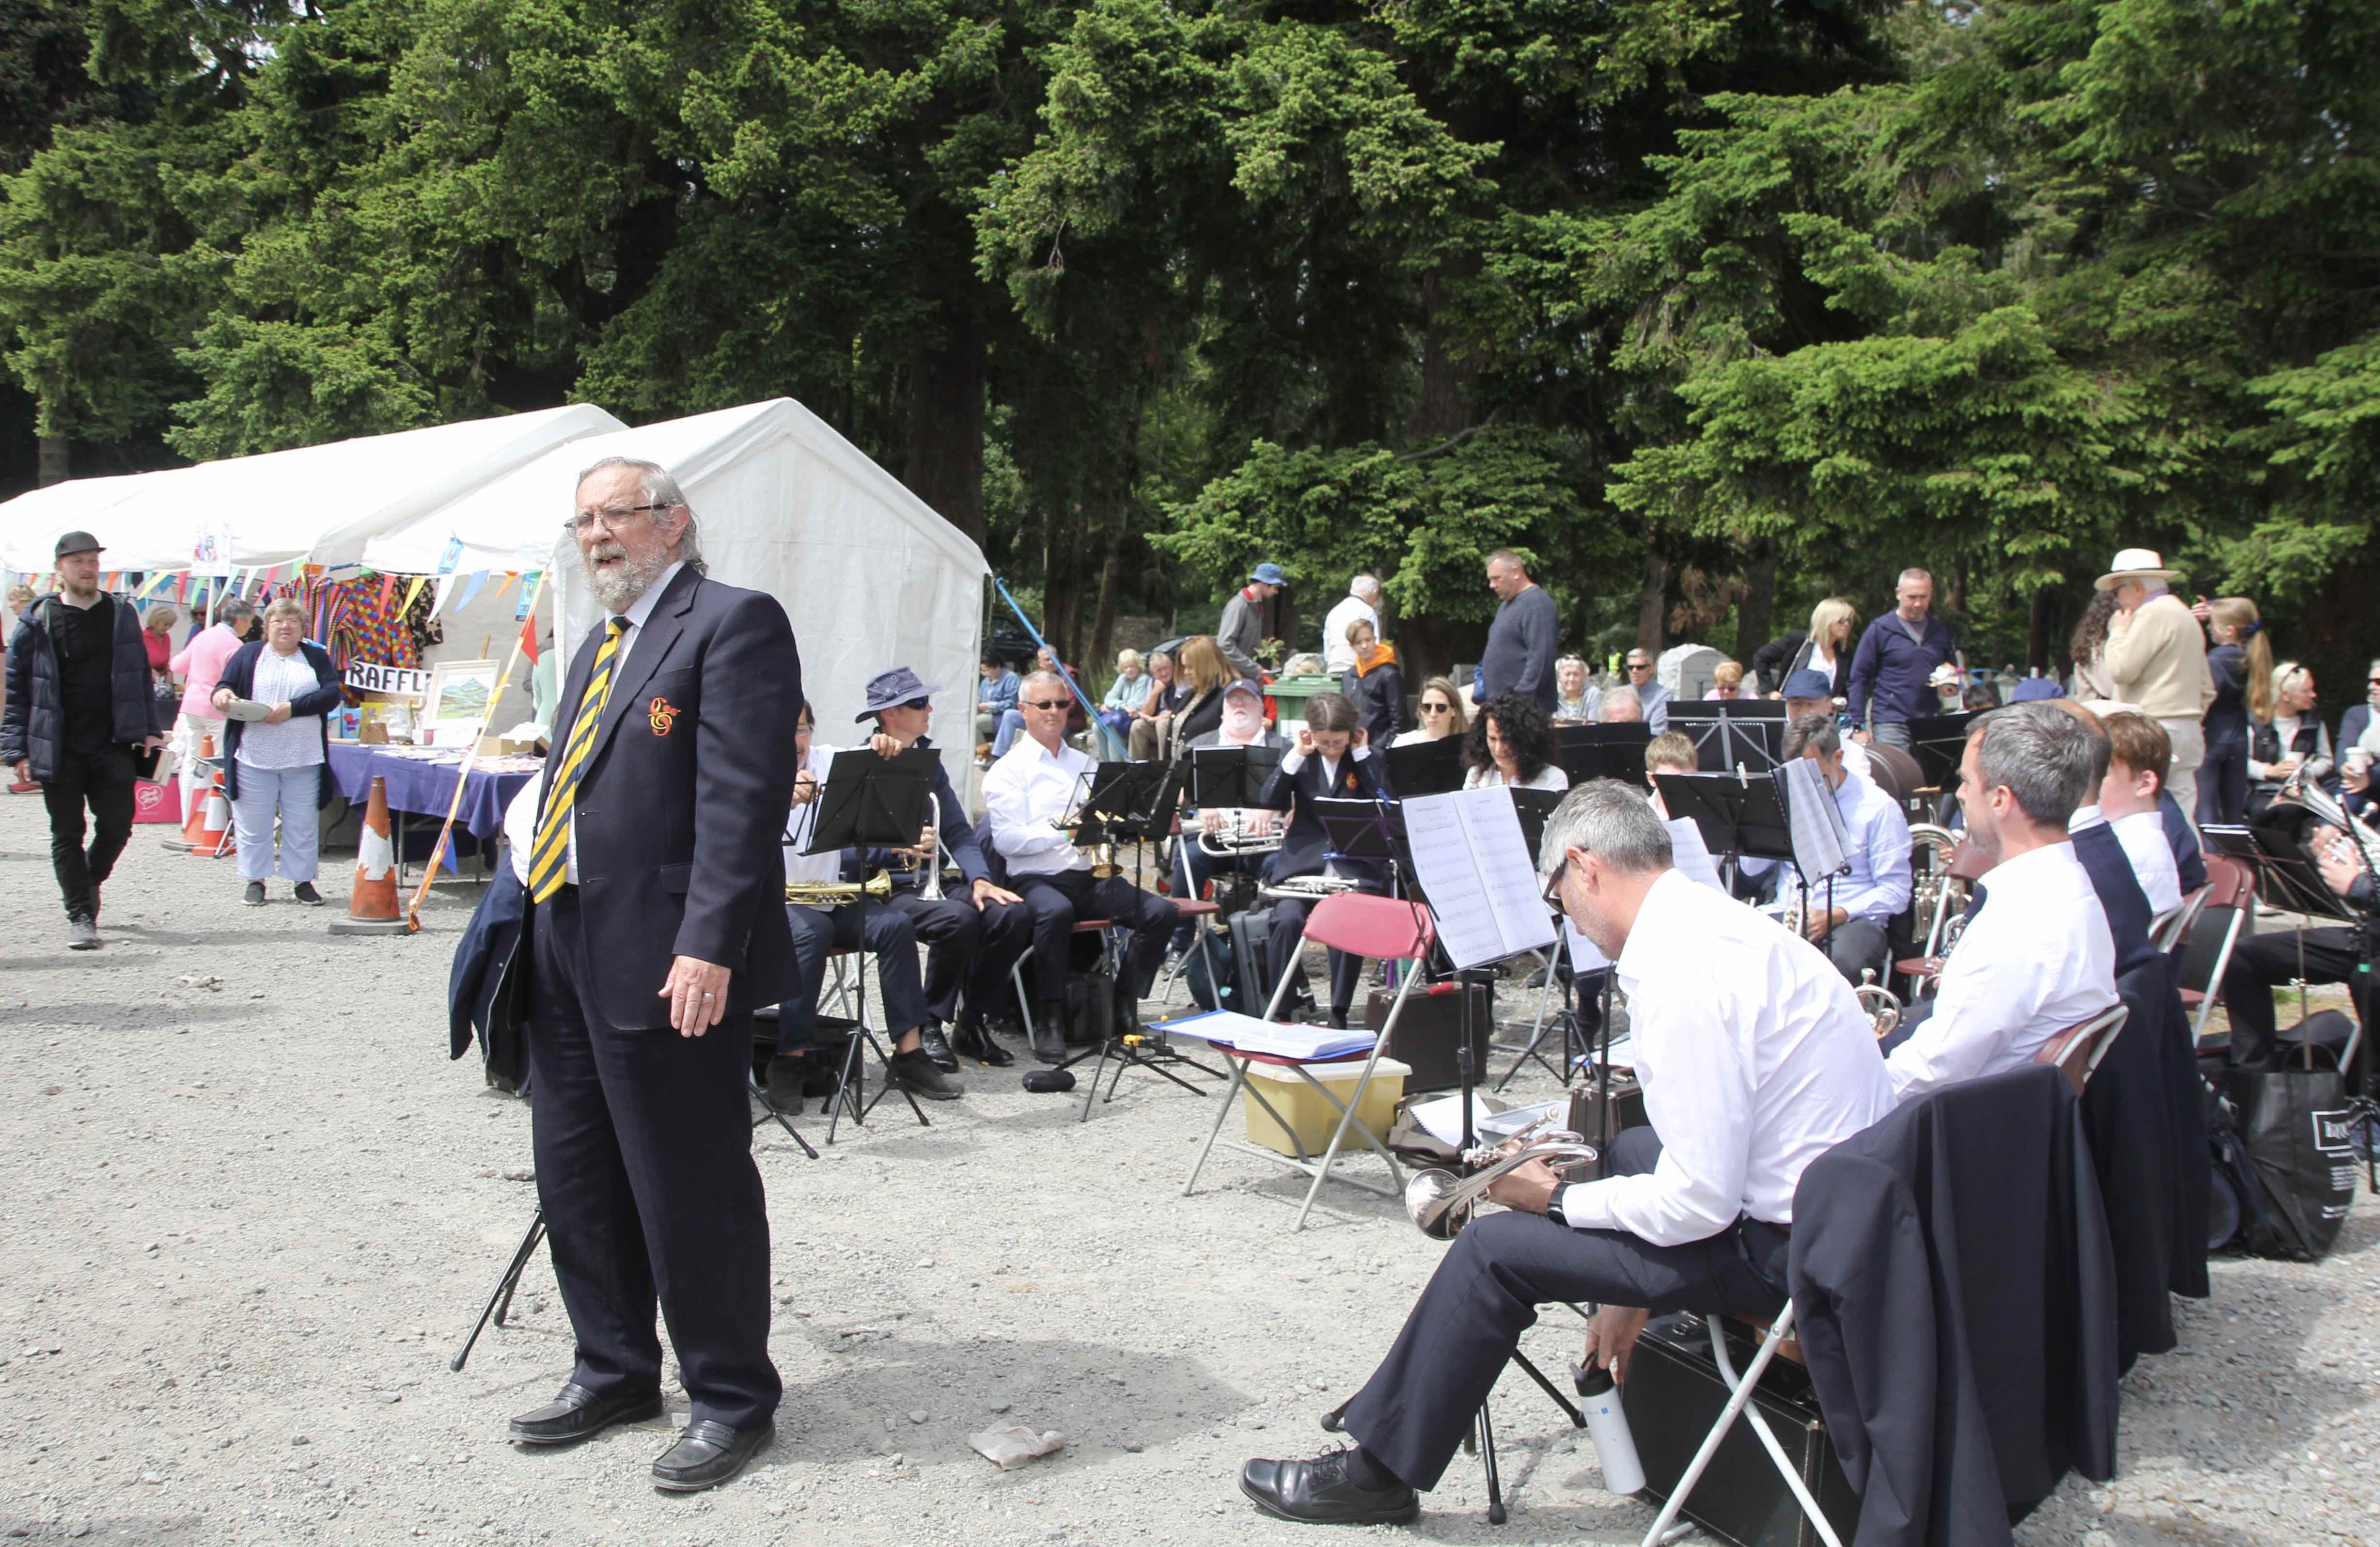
x=1052 y=678
x=1814 y=732
x=2045 y=756
x=233 y=609
x=1364 y=585
x=1914 y=573
x=658 y=487
x=1610 y=820
x=284 y=606
x=1622 y=694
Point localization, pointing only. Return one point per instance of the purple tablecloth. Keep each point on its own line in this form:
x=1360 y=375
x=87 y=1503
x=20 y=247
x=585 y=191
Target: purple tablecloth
x=425 y=788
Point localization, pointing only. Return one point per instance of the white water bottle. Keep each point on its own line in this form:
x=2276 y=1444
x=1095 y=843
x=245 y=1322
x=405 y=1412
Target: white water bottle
x=1606 y=1425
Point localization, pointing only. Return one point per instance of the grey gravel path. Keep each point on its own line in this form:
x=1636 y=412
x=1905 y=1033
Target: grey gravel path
x=248 y=1210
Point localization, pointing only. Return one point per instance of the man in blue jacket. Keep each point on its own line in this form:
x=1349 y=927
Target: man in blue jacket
x=1897 y=655
x=79 y=709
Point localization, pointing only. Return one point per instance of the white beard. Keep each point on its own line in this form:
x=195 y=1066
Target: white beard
x=618 y=588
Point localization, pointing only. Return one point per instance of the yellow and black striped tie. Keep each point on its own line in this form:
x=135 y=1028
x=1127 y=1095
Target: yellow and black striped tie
x=548 y=857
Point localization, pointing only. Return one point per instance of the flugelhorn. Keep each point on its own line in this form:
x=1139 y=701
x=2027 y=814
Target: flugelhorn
x=833 y=893
x=1441 y=1203
x=1883 y=1006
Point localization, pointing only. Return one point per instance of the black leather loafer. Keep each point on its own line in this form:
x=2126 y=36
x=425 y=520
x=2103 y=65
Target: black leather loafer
x=578 y=1413
x=932 y=1043
x=708 y=1454
x=1318 y=1492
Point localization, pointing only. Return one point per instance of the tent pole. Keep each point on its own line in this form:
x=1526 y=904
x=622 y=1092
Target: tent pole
x=463 y=775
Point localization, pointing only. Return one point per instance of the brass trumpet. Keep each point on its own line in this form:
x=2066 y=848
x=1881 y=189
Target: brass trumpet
x=1441 y=1203
x=834 y=894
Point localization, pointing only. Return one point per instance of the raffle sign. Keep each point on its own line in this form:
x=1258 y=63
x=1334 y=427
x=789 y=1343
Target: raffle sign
x=367 y=677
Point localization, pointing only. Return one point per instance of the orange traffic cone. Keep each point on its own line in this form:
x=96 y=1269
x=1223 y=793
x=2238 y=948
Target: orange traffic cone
x=214 y=822
x=371 y=906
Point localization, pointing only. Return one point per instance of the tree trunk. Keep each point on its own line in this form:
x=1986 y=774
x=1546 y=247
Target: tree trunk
x=1103 y=616
x=944 y=465
x=1443 y=406
x=1756 y=615
x=53 y=461
x=1652 y=603
x=2037 y=630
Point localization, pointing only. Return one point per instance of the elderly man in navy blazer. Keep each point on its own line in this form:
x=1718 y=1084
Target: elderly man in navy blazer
x=657 y=924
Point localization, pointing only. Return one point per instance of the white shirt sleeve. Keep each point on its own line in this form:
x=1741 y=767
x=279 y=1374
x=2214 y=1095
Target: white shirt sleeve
x=1008 y=811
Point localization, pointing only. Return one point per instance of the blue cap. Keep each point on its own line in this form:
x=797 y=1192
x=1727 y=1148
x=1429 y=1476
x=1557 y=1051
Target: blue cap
x=1809 y=682
x=2033 y=688
x=1269 y=574
x=1247 y=685
x=898 y=685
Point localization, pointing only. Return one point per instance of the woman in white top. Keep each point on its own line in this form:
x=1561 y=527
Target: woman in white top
x=1511 y=743
x=276 y=765
x=2279 y=747
x=1574 y=701
x=1441 y=712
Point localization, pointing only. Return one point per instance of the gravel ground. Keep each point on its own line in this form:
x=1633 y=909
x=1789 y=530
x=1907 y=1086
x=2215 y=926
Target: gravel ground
x=250 y=1210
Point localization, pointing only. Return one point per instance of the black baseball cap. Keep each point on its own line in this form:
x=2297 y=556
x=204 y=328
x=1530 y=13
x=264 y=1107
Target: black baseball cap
x=77 y=542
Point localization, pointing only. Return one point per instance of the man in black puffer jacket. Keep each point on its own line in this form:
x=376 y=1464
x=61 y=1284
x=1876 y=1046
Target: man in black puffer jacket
x=79 y=709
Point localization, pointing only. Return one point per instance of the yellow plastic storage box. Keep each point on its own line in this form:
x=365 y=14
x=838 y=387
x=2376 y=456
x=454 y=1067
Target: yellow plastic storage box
x=1312 y=1117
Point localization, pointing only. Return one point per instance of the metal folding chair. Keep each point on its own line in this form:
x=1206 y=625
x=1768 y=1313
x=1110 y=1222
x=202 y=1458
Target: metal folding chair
x=2229 y=884
x=1378 y=928
x=2078 y=1051
x=1739 y=1404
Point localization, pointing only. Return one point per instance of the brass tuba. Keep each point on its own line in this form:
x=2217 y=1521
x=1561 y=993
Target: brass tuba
x=1441 y=1203
x=834 y=894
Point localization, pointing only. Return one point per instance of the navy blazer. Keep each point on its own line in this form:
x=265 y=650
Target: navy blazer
x=2189 y=860
x=1305 y=847
x=959 y=839
x=484 y=963
x=239 y=676
x=2121 y=896
x=683 y=799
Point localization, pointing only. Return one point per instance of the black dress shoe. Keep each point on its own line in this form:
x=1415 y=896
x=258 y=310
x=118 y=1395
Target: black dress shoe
x=1318 y=1492
x=932 y=1044
x=784 y=1084
x=578 y=1413
x=917 y=1073
x=973 y=1042
x=708 y=1454
x=1049 y=1040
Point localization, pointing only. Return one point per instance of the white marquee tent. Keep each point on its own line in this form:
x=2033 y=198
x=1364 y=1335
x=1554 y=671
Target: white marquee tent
x=319 y=503
x=870 y=574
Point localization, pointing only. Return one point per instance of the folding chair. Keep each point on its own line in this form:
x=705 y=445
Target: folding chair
x=1377 y=928
x=1739 y=1404
x=2078 y=1051
x=2229 y=884
x=1103 y=928
x=2170 y=929
x=1198 y=911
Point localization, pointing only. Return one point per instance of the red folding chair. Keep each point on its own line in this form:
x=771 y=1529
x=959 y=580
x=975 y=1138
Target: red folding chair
x=2229 y=884
x=2078 y=1051
x=1382 y=928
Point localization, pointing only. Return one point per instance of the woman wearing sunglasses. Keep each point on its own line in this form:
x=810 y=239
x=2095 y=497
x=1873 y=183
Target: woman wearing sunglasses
x=1440 y=713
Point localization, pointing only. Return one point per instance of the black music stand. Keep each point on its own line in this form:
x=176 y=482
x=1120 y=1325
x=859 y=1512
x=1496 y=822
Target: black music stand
x=1938 y=742
x=1603 y=751
x=870 y=801
x=1728 y=733
x=1231 y=776
x=1425 y=767
x=2286 y=879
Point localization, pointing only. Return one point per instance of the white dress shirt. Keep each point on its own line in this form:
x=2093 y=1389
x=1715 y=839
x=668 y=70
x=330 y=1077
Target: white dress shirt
x=802 y=820
x=1876 y=846
x=1026 y=791
x=2143 y=836
x=2036 y=957
x=1857 y=762
x=1549 y=777
x=1754 y=1057
x=1337 y=654
x=521 y=827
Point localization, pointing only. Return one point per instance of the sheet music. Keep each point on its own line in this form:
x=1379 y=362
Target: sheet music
x=1690 y=854
x=1821 y=843
x=1584 y=956
x=1476 y=871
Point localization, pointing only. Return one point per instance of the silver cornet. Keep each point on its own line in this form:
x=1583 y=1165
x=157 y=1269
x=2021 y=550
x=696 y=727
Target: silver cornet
x=1441 y=1203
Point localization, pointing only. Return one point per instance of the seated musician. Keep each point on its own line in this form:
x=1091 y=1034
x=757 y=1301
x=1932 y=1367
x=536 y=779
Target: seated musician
x=2139 y=751
x=1192 y=866
x=1331 y=759
x=2037 y=955
x=2330 y=955
x=1755 y=1058
x=1029 y=798
x=971 y=938
x=2121 y=896
x=1848 y=916
x=1511 y=743
x=1670 y=752
x=1810 y=692
x=821 y=930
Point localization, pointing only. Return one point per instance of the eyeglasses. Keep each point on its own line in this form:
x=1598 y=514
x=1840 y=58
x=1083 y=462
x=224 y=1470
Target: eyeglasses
x=1045 y=703
x=1552 y=891
x=1449 y=708
x=614 y=517
x=1640 y=665
x=915 y=703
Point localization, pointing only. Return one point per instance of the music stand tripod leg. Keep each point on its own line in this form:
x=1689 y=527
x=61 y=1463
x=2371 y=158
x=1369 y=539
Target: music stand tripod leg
x=502 y=1300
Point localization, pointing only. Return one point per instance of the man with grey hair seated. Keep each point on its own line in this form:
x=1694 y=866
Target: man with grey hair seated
x=1755 y=1058
x=1620 y=706
x=2037 y=955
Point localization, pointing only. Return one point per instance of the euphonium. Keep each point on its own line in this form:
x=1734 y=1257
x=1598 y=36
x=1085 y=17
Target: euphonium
x=832 y=894
x=1441 y=1203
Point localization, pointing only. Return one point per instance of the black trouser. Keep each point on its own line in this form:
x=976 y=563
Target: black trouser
x=968 y=952
x=819 y=933
x=2223 y=784
x=644 y=1165
x=1854 y=945
x=1193 y=867
x=1281 y=946
x=1417 y=1406
x=2261 y=962
x=103 y=779
x=1057 y=901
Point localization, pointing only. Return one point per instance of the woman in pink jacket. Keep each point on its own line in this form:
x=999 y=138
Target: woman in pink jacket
x=201 y=664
